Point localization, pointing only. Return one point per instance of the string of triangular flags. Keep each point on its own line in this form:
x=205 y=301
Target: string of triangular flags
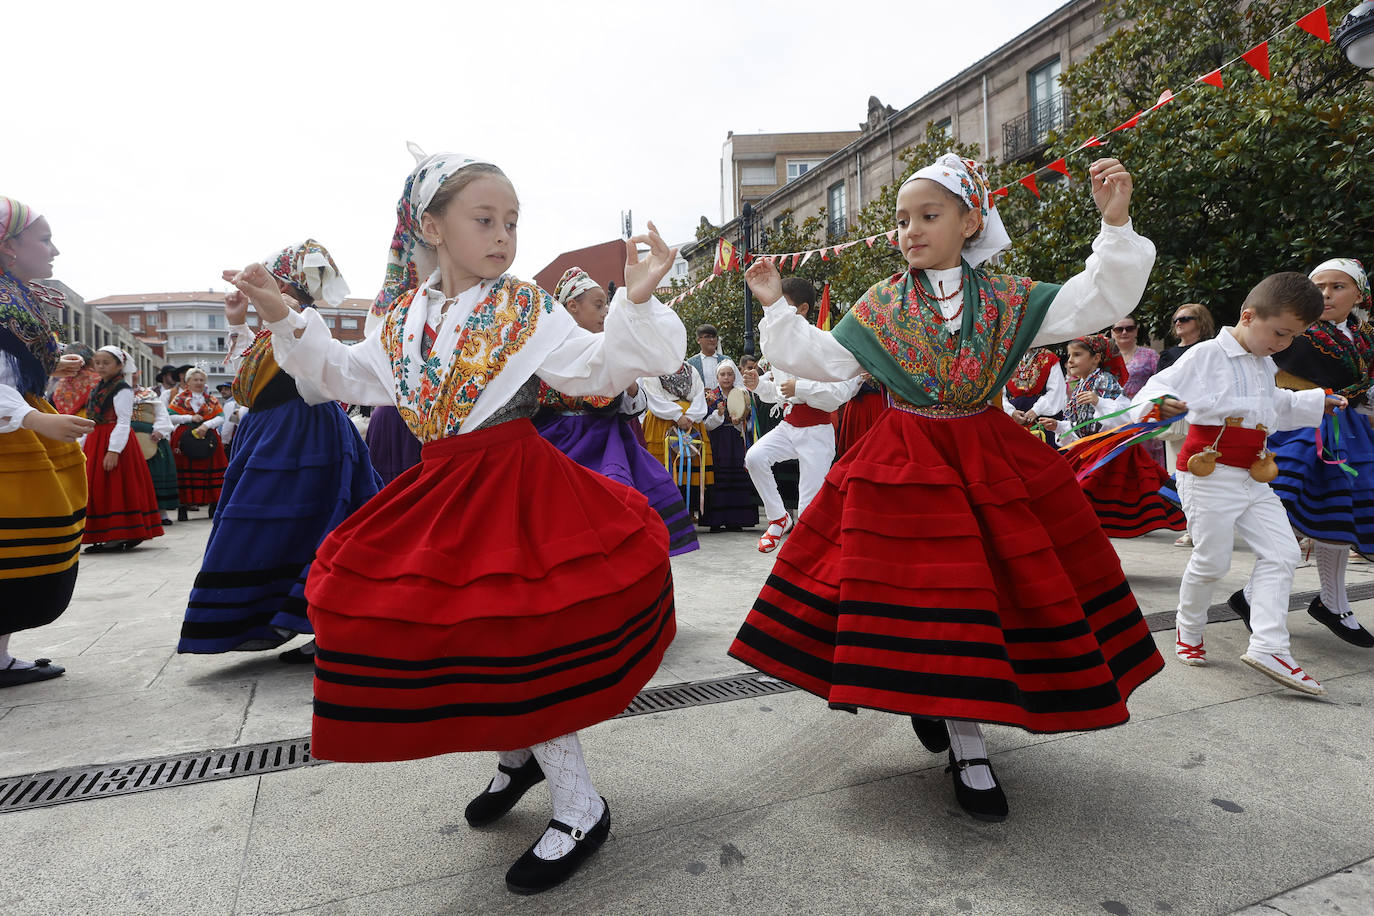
x=1315 y=23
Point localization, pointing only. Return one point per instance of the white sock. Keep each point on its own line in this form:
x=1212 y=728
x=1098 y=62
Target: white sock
x=7 y=661
x=1331 y=561
x=512 y=759
x=966 y=740
x=575 y=800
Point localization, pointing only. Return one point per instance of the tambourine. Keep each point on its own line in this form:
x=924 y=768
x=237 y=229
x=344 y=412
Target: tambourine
x=146 y=444
x=737 y=403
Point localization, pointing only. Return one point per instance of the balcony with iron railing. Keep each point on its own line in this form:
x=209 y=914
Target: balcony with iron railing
x=1029 y=133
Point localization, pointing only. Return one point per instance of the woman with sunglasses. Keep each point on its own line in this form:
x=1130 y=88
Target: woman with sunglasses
x=1141 y=364
x=1192 y=324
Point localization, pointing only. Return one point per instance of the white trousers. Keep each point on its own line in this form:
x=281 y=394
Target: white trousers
x=814 y=449
x=1225 y=503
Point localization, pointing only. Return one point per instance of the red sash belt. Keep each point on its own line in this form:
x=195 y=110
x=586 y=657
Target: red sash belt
x=804 y=415
x=1240 y=446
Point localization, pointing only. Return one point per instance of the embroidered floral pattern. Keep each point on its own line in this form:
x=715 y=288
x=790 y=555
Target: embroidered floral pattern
x=434 y=402
x=181 y=403
x=1354 y=353
x=566 y=403
x=953 y=369
x=25 y=333
x=1032 y=374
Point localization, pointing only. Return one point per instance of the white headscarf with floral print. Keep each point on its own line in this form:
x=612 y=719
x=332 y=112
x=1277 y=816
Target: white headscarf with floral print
x=1352 y=269
x=969 y=181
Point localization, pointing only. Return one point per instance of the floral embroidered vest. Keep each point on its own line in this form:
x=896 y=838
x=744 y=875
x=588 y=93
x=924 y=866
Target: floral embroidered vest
x=902 y=341
x=433 y=401
x=1032 y=374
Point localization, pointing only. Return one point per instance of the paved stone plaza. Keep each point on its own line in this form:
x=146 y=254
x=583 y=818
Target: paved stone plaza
x=1225 y=791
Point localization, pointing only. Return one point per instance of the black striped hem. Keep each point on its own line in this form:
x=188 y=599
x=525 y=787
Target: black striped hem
x=47 y=559
x=529 y=706
x=43 y=521
x=249 y=578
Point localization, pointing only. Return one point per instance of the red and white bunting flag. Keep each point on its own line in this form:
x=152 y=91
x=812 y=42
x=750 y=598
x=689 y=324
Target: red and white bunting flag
x=1258 y=57
x=796 y=259
x=1165 y=98
x=1059 y=166
x=892 y=236
x=807 y=258
x=1090 y=142
x=870 y=240
x=1029 y=182
x=1212 y=79
x=1317 y=24
x=1000 y=192
x=1127 y=124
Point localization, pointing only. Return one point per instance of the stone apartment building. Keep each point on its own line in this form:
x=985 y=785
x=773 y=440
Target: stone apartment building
x=1007 y=103
x=189 y=327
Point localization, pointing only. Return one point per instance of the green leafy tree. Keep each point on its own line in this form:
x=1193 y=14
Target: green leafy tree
x=1230 y=184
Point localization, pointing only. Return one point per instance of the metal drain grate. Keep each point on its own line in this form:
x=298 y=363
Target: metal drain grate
x=1217 y=613
x=704 y=693
x=58 y=787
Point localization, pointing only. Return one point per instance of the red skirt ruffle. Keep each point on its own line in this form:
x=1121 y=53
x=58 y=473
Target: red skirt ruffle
x=121 y=504
x=493 y=596
x=953 y=569
x=1124 y=493
x=199 y=480
x=858 y=416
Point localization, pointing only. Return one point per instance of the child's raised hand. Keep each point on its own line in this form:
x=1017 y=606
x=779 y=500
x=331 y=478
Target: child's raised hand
x=1086 y=397
x=1172 y=407
x=1335 y=401
x=1112 y=186
x=258 y=284
x=235 y=308
x=763 y=278
x=750 y=377
x=643 y=277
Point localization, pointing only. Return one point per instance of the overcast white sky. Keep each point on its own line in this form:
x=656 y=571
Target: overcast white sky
x=164 y=141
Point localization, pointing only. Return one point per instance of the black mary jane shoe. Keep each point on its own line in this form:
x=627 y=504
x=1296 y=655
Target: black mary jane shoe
x=1238 y=604
x=532 y=875
x=491 y=806
x=932 y=732
x=43 y=670
x=1332 y=621
x=131 y=544
x=183 y=514
x=982 y=804
x=96 y=548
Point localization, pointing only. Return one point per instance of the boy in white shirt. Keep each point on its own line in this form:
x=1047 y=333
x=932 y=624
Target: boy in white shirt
x=1226 y=385
x=805 y=433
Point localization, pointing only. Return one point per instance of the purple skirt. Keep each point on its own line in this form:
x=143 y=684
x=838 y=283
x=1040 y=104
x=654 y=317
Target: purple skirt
x=730 y=501
x=607 y=444
x=393 y=447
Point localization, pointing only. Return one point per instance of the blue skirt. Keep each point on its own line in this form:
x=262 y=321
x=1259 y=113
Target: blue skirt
x=297 y=472
x=1323 y=501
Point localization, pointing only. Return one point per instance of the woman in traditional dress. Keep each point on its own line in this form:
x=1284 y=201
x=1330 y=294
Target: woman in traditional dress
x=950 y=568
x=299 y=469
x=731 y=502
x=152 y=427
x=197 y=414
x=42 y=469
x=499 y=596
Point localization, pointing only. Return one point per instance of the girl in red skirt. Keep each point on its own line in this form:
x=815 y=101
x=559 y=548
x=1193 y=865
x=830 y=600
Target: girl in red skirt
x=122 y=507
x=197 y=415
x=950 y=568
x=1125 y=491
x=497 y=596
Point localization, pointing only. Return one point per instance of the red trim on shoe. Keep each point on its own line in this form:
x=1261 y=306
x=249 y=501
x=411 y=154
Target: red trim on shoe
x=1295 y=672
x=769 y=542
x=1195 y=653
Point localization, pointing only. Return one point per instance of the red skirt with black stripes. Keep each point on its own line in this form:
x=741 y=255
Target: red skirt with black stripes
x=1124 y=492
x=122 y=505
x=493 y=596
x=952 y=568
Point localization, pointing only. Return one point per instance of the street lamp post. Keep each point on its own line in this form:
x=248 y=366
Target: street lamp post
x=746 y=245
x=1355 y=35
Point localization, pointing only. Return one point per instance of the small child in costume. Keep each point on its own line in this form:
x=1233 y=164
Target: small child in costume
x=950 y=567
x=1226 y=386
x=123 y=506
x=806 y=432
x=1324 y=500
x=498 y=596
x=1124 y=492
